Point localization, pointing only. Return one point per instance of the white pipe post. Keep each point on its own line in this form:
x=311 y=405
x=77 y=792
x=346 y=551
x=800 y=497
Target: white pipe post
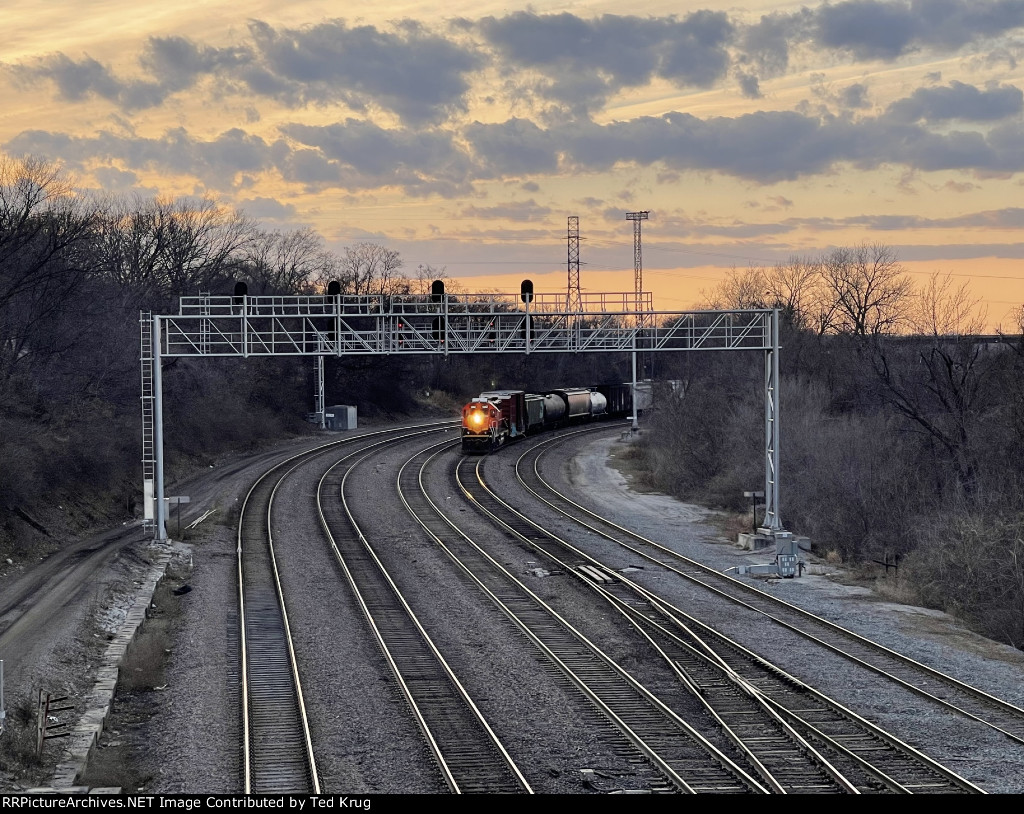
x=158 y=436
x=636 y=423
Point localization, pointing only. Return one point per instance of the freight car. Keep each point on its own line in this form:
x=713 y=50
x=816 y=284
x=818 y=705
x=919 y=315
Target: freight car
x=497 y=417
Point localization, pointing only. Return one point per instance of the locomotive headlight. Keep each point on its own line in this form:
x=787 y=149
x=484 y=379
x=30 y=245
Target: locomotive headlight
x=477 y=418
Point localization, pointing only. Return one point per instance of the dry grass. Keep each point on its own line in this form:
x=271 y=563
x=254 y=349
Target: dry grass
x=734 y=524
x=630 y=461
x=18 y=742
x=895 y=589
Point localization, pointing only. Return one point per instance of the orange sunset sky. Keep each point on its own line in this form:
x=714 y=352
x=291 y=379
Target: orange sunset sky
x=464 y=138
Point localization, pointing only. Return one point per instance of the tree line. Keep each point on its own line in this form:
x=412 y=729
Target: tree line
x=75 y=273
x=902 y=427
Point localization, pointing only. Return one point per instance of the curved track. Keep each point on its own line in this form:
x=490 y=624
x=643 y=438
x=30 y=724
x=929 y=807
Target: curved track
x=749 y=695
x=687 y=761
x=952 y=694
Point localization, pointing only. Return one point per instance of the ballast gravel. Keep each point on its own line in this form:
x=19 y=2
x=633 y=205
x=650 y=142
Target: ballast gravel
x=183 y=737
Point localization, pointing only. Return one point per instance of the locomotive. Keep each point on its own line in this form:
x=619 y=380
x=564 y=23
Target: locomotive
x=497 y=417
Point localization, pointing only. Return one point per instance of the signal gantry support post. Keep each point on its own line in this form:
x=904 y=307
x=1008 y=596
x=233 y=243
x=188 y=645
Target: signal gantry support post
x=772 y=522
x=160 y=532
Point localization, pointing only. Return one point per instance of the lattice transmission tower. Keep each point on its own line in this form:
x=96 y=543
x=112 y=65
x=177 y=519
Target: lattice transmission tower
x=573 y=299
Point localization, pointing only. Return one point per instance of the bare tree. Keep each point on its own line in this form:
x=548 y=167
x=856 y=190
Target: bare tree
x=937 y=378
x=740 y=289
x=289 y=262
x=46 y=257
x=164 y=248
x=425 y=277
x=369 y=268
x=869 y=287
x=941 y=308
x=796 y=287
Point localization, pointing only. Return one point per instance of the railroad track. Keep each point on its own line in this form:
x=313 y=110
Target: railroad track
x=939 y=688
x=684 y=760
x=771 y=717
x=468 y=754
x=277 y=749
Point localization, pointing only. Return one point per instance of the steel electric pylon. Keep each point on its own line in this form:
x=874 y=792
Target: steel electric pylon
x=573 y=299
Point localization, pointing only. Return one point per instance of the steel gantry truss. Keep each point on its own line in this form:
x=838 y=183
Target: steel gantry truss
x=347 y=325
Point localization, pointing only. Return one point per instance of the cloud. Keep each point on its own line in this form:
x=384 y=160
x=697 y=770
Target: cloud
x=874 y=29
x=868 y=28
x=362 y=155
x=267 y=208
x=762 y=147
x=584 y=61
x=173 y=63
x=218 y=162
x=417 y=75
x=420 y=76
x=516 y=210
x=425 y=77
x=514 y=147
x=959 y=101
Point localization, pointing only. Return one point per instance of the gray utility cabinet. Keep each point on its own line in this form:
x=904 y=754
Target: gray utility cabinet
x=340 y=417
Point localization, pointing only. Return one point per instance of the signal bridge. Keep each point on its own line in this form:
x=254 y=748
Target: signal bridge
x=441 y=323
x=345 y=325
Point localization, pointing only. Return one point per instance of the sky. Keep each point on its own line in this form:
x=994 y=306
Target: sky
x=465 y=138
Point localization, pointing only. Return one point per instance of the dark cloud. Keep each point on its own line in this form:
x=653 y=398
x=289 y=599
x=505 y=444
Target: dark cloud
x=267 y=209
x=854 y=97
x=416 y=74
x=696 y=49
x=179 y=62
x=423 y=77
x=419 y=76
x=765 y=45
x=514 y=147
x=218 y=162
x=959 y=101
x=173 y=63
x=79 y=80
x=362 y=155
x=585 y=60
x=870 y=29
x=750 y=87
x=764 y=147
x=875 y=29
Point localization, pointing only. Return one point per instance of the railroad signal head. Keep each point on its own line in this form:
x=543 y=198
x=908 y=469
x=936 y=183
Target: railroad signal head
x=437 y=291
x=333 y=288
x=241 y=289
x=526 y=291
